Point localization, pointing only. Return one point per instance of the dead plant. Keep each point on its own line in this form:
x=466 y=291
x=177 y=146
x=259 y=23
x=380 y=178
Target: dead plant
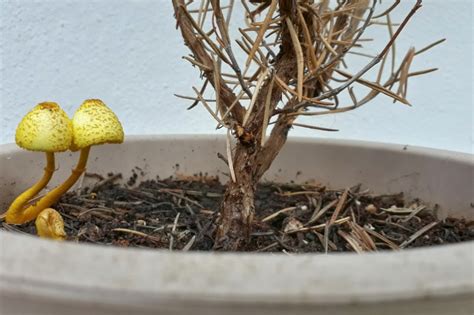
x=295 y=65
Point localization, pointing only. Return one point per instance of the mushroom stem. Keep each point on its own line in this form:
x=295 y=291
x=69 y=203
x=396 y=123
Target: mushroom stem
x=15 y=213
x=54 y=195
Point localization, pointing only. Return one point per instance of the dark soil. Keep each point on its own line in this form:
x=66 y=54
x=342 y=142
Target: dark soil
x=178 y=214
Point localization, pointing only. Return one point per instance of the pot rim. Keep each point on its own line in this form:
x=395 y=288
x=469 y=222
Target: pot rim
x=337 y=142
x=147 y=278
x=70 y=271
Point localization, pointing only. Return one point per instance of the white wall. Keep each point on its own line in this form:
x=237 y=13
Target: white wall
x=128 y=54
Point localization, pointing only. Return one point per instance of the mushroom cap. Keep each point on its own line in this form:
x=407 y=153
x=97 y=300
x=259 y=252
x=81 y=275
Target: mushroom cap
x=94 y=124
x=46 y=128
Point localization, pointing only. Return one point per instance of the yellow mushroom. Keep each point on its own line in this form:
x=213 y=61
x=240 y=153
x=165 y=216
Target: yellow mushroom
x=46 y=128
x=93 y=124
x=50 y=224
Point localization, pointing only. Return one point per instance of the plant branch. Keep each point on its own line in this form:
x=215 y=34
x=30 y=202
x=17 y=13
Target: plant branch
x=187 y=26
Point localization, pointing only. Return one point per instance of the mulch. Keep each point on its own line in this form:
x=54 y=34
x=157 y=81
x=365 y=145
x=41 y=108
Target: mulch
x=178 y=213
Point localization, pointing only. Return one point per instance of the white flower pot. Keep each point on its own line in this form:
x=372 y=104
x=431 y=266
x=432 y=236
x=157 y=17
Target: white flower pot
x=45 y=277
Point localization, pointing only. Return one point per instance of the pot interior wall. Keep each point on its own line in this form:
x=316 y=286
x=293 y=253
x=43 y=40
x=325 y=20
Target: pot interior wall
x=436 y=177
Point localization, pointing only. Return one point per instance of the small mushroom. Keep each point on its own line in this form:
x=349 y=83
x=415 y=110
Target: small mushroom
x=93 y=124
x=46 y=128
x=50 y=224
